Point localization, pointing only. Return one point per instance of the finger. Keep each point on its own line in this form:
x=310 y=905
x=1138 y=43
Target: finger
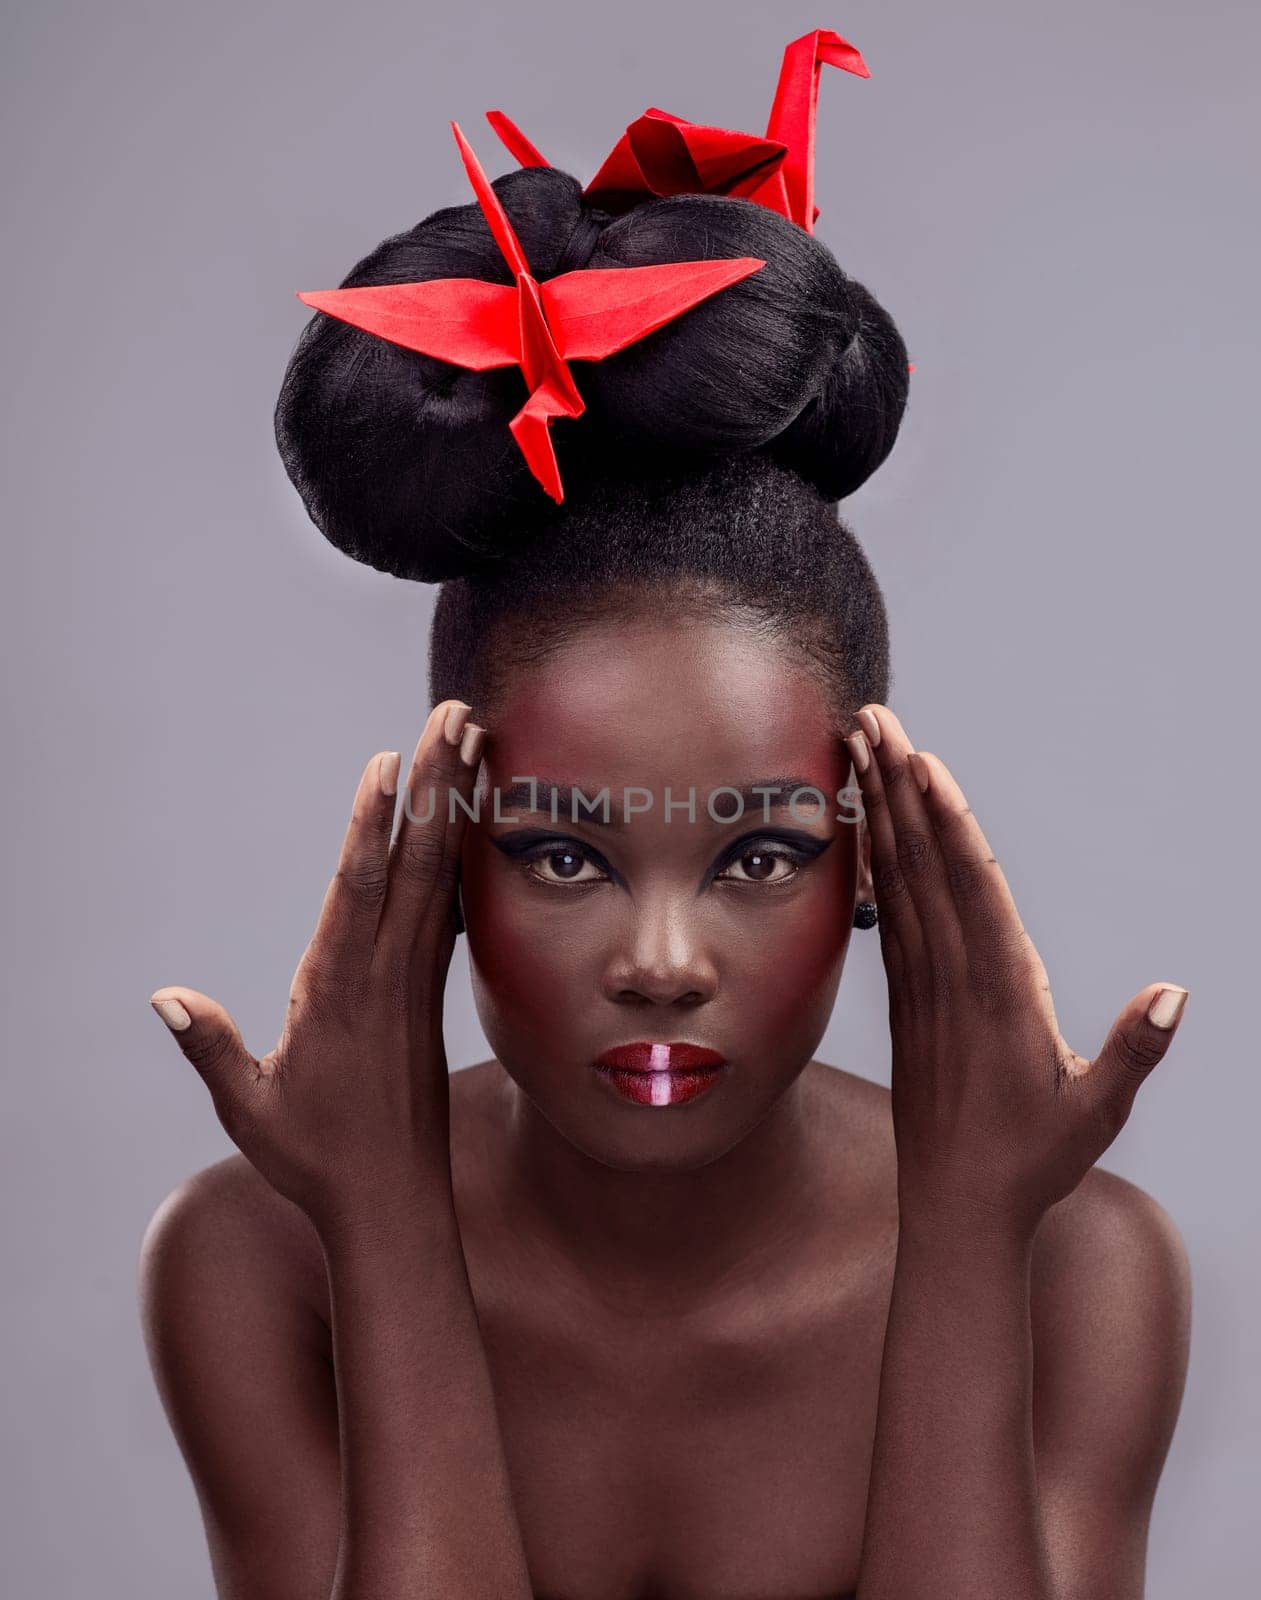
x=1137 y=1041
x=211 y=1040
x=420 y=862
x=346 y=932
x=901 y=939
x=918 y=851
x=442 y=916
x=993 y=932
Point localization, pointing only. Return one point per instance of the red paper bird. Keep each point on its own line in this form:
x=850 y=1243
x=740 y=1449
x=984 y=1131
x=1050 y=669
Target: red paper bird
x=660 y=154
x=580 y=316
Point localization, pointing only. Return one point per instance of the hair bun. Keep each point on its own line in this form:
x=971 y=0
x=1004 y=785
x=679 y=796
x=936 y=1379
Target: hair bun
x=798 y=359
x=406 y=463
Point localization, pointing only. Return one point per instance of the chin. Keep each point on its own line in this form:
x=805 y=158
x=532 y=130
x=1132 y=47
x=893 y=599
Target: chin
x=630 y=1134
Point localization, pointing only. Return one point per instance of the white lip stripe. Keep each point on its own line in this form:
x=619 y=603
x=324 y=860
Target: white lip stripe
x=659 y=1061
x=661 y=1089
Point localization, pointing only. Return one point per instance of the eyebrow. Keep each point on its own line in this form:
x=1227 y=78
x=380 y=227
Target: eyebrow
x=559 y=798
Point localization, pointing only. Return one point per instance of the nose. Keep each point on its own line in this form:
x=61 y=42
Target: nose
x=662 y=958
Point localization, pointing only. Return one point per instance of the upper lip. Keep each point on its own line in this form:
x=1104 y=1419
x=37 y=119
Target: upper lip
x=637 y=1057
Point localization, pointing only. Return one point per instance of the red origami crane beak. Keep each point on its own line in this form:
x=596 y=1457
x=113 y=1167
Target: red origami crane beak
x=660 y=154
x=540 y=327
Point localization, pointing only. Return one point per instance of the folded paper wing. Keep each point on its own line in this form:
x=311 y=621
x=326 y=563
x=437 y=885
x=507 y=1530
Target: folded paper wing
x=595 y=314
x=585 y=315
x=462 y=320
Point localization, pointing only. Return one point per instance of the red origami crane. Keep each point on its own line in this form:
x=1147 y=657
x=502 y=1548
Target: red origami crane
x=580 y=316
x=660 y=154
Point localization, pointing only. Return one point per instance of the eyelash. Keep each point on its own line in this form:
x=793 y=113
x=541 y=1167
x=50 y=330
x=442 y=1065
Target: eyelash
x=779 y=849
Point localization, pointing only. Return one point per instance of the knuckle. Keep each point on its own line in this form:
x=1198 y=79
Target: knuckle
x=890 y=885
x=369 y=818
x=420 y=802
x=325 y=985
x=968 y=878
x=210 y=1051
x=1136 y=1051
x=434 y=772
x=917 y=853
x=363 y=884
x=418 y=856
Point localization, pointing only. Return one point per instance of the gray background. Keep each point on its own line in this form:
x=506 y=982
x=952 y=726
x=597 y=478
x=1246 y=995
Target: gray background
x=1057 y=203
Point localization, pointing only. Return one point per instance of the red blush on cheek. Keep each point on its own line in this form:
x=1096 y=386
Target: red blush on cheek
x=797 y=969
x=533 y=983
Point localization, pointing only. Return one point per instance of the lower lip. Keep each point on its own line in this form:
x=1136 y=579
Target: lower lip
x=660 y=1088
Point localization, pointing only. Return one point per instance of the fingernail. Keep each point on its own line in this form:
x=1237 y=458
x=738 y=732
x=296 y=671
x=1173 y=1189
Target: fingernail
x=920 y=768
x=471 y=745
x=858 y=749
x=870 y=725
x=172 y=1013
x=387 y=772
x=454 y=725
x=1166 y=1008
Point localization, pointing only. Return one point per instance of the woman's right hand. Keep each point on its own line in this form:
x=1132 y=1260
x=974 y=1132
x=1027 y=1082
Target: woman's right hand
x=348 y=1116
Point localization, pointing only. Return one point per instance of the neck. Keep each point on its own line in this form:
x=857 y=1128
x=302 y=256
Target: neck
x=665 y=1239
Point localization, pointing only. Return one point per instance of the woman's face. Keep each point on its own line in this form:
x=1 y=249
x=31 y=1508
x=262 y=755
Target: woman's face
x=658 y=928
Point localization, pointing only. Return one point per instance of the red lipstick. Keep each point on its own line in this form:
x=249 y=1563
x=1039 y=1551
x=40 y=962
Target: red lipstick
x=655 y=1074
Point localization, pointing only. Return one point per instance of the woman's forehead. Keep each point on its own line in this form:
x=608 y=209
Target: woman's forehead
x=685 y=699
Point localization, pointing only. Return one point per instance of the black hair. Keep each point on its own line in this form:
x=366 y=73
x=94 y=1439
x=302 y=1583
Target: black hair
x=706 y=467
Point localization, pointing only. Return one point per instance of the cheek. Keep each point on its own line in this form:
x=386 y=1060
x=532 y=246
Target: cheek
x=528 y=982
x=789 y=980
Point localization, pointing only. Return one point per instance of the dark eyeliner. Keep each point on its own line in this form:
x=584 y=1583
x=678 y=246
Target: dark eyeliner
x=535 y=844
x=801 y=848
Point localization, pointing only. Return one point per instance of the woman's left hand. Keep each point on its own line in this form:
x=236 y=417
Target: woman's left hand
x=995 y=1116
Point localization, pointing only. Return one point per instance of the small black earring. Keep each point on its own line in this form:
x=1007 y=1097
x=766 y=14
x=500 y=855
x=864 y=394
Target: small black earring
x=865 y=914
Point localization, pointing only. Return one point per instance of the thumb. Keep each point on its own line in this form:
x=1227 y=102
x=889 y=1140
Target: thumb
x=210 y=1039
x=1138 y=1039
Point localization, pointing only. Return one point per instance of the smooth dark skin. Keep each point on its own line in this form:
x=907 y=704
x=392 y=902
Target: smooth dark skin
x=683 y=1311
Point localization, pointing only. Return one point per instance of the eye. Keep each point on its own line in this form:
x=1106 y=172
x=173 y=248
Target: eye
x=561 y=864
x=759 y=861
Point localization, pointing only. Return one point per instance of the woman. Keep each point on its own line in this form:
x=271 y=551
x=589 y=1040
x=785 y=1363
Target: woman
x=653 y=1303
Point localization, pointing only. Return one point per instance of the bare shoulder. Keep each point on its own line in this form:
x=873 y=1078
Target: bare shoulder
x=1109 y=1240
x=1110 y=1269
x=225 y=1228
x=1112 y=1254
x=1110 y=1315
x=234 y=1311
